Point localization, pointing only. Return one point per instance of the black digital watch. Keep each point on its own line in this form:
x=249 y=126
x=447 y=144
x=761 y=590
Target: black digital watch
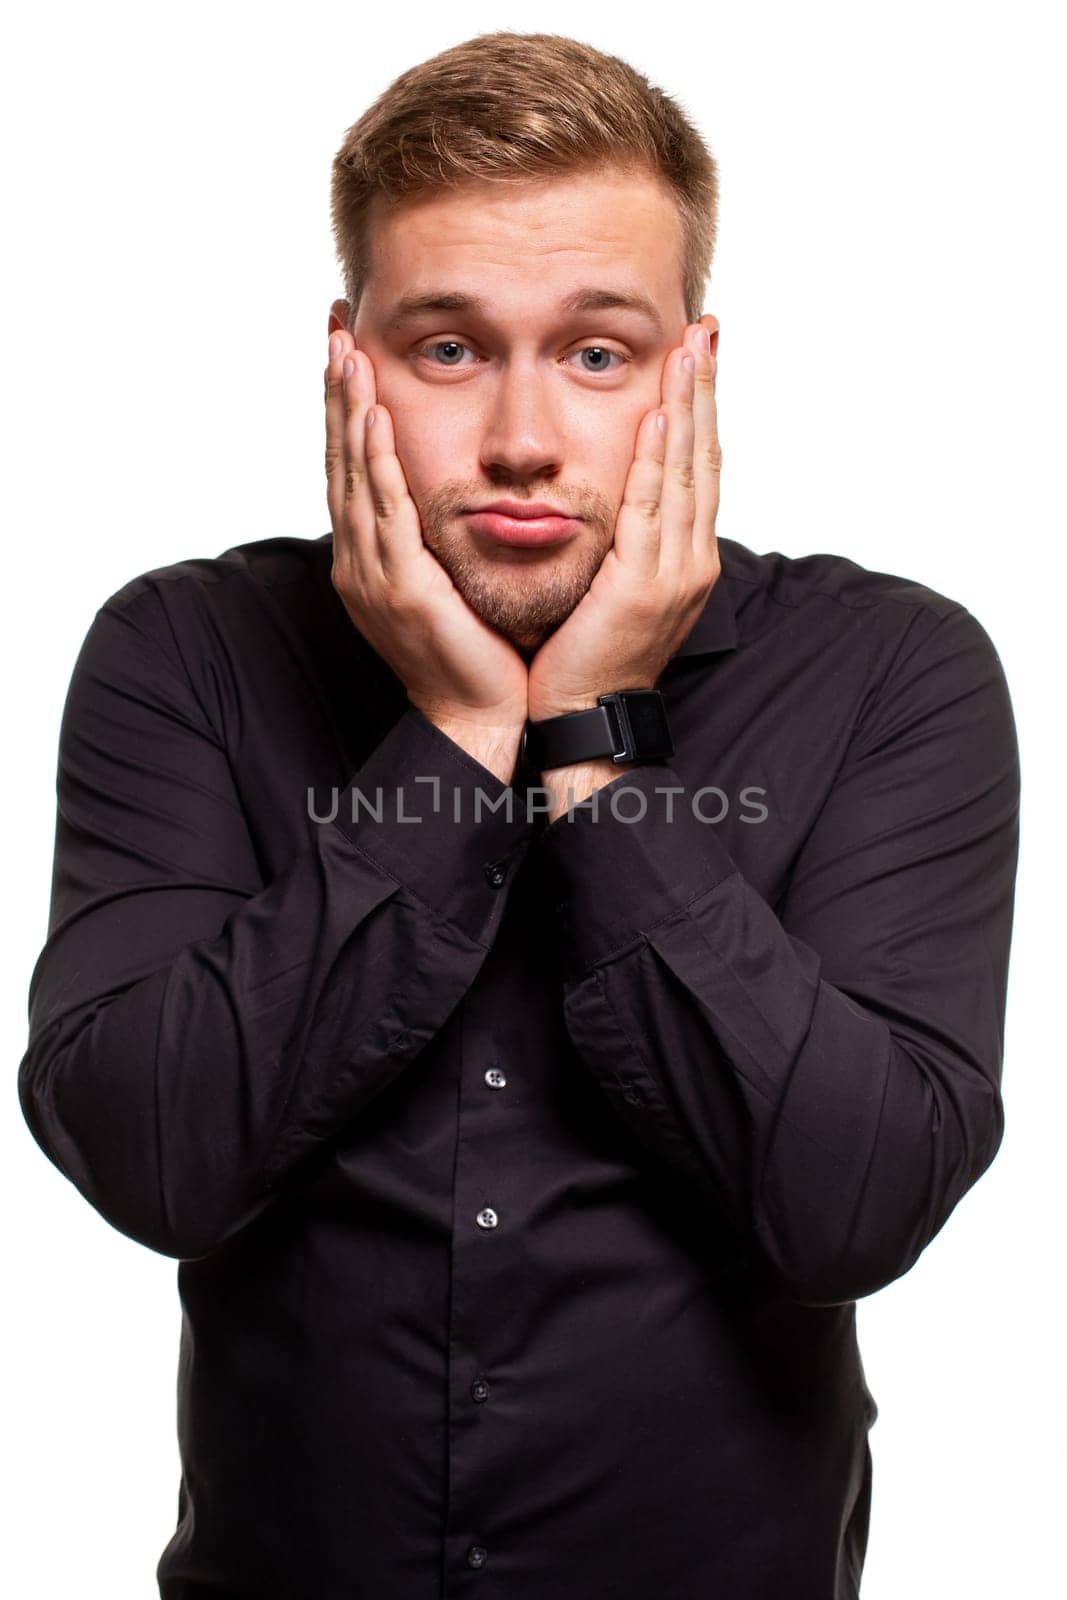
x=629 y=725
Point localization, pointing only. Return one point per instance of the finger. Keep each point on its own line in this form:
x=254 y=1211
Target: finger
x=397 y=523
x=637 y=526
x=335 y=421
x=678 y=500
x=341 y=344
x=707 y=458
x=358 y=517
x=337 y=404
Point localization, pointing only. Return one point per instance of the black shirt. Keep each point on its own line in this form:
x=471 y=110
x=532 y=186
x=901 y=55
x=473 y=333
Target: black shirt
x=523 y=1177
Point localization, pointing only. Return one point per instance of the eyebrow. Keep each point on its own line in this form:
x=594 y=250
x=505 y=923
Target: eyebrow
x=410 y=306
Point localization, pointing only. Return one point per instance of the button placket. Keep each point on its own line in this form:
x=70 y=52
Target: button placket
x=483 y=1268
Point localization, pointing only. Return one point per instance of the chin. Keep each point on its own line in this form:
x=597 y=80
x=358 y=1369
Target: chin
x=525 y=634
x=528 y=644
x=524 y=604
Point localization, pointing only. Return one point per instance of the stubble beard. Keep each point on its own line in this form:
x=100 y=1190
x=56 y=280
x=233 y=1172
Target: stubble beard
x=528 y=598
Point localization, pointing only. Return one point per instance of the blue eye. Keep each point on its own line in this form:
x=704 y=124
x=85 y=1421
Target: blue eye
x=446 y=344
x=600 y=350
x=428 y=352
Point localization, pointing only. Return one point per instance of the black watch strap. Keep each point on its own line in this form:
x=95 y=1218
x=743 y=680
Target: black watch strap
x=629 y=725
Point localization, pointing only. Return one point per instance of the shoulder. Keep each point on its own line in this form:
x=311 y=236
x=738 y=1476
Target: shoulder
x=200 y=605
x=833 y=599
x=823 y=579
x=256 y=565
x=223 y=624
x=889 y=644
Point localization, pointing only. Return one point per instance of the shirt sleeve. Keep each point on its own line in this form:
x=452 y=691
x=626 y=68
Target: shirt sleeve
x=194 y=1031
x=828 y=1073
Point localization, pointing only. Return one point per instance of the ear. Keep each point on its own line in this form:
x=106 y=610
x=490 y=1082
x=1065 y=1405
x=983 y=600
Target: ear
x=338 y=317
x=712 y=324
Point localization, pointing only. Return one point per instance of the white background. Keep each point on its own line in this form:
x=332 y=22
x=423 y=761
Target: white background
x=889 y=283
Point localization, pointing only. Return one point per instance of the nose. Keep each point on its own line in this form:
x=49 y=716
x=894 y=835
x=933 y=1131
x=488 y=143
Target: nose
x=522 y=435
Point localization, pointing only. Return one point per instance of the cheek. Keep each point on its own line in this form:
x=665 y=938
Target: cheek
x=606 y=447
x=434 y=443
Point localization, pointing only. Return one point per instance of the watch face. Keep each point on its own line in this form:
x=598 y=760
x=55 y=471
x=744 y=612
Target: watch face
x=648 y=722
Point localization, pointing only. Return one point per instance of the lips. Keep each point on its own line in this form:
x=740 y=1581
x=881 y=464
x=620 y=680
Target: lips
x=524 y=531
x=522 y=508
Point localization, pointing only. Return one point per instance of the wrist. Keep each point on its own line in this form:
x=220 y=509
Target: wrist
x=495 y=747
x=542 y=710
x=569 y=786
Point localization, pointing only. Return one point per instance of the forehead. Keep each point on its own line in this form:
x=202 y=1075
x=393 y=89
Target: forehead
x=523 y=248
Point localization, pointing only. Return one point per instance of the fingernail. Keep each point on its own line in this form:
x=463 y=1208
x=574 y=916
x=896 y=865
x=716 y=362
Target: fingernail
x=335 y=347
x=689 y=364
x=704 y=341
x=348 y=366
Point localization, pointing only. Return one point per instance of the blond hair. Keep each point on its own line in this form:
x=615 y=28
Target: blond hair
x=513 y=106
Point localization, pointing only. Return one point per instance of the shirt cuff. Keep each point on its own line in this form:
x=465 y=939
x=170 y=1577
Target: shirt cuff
x=433 y=818
x=626 y=864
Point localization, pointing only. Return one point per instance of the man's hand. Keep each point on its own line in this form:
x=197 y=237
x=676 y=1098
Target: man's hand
x=655 y=579
x=460 y=673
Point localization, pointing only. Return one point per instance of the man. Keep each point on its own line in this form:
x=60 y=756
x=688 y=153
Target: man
x=527 y=1084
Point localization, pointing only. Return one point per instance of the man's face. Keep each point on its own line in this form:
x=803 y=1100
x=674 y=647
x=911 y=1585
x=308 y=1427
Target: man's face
x=521 y=399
